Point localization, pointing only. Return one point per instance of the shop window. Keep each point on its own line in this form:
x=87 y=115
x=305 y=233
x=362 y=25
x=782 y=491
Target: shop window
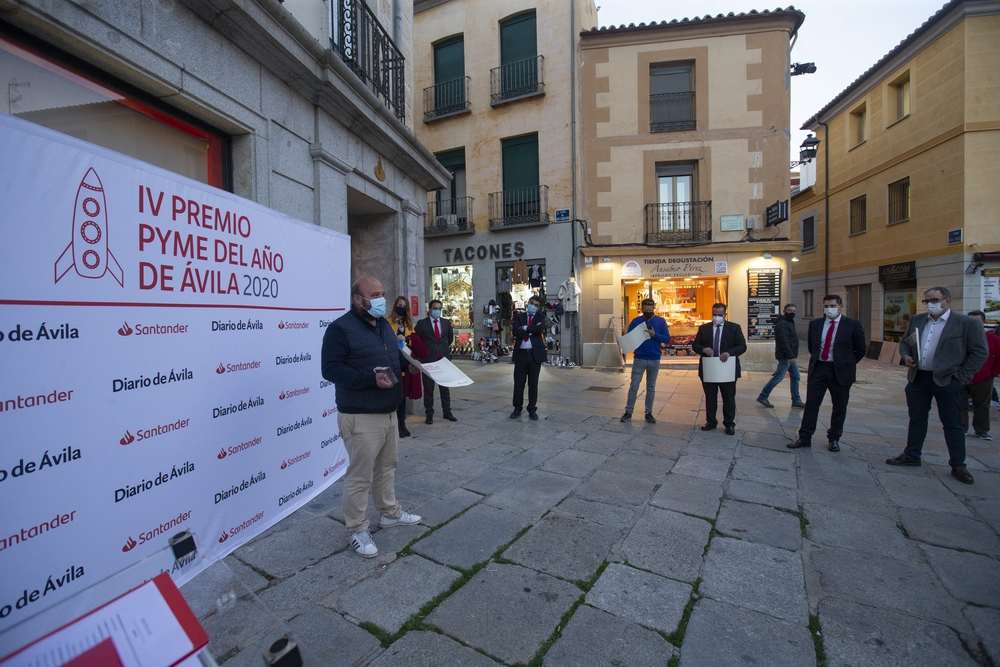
x=61 y=98
x=899 y=201
x=858 y=305
x=859 y=125
x=859 y=214
x=452 y=286
x=809 y=233
x=671 y=98
x=807 y=303
x=685 y=303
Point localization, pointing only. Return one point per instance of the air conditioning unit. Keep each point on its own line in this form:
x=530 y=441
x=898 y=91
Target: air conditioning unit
x=446 y=221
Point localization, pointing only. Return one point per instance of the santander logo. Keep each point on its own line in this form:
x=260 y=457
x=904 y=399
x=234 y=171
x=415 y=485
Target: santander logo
x=125 y=330
x=222 y=454
x=225 y=536
x=128 y=439
x=281 y=396
x=221 y=369
x=329 y=411
x=129 y=545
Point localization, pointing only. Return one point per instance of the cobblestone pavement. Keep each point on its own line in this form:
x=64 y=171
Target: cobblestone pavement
x=578 y=540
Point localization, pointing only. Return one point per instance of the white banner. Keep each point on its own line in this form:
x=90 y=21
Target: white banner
x=160 y=342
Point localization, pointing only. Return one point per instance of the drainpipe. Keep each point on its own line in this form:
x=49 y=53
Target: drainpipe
x=826 y=201
x=577 y=342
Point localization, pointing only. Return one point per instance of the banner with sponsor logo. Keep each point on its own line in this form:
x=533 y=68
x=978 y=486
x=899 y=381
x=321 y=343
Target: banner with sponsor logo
x=160 y=342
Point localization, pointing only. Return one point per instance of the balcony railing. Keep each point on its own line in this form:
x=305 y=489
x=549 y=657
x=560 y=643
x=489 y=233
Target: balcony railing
x=522 y=207
x=367 y=49
x=670 y=112
x=516 y=80
x=449 y=216
x=446 y=99
x=679 y=224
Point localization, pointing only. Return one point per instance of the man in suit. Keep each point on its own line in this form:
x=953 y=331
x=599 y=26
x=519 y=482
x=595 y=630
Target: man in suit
x=529 y=355
x=836 y=345
x=943 y=350
x=721 y=339
x=437 y=334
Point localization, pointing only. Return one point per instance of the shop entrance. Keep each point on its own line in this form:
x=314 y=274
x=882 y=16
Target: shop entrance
x=685 y=303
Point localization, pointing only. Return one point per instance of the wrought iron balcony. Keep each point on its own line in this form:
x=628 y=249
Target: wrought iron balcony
x=446 y=99
x=523 y=207
x=516 y=80
x=367 y=49
x=449 y=216
x=679 y=224
x=670 y=112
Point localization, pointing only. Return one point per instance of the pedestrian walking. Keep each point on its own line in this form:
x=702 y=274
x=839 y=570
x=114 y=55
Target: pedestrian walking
x=438 y=336
x=646 y=358
x=979 y=390
x=786 y=351
x=722 y=339
x=529 y=355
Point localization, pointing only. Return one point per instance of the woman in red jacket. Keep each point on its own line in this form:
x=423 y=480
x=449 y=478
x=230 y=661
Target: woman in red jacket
x=980 y=388
x=402 y=320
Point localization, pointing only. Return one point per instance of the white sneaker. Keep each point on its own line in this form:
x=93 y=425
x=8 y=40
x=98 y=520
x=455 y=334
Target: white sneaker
x=363 y=545
x=403 y=520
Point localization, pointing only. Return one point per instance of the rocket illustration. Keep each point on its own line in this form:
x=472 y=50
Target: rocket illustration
x=88 y=250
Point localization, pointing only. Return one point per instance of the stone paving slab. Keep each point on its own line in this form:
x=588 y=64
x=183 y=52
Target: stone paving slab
x=430 y=649
x=691 y=495
x=237 y=625
x=391 y=541
x=704 y=467
x=426 y=485
x=392 y=596
x=526 y=460
x=472 y=537
x=668 y=543
x=440 y=510
x=645 y=598
x=989 y=511
x=967 y=576
x=639 y=465
x=490 y=481
x=866 y=532
x=759 y=523
x=595 y=638
x=331 y=640
x=722 y=635
x=831 y=494
x=615 y=489
x=603 y=442
x=950 y=530
x=506 y=610
x=338 y=572
x=573 y=462
x=924 y=492
x=284 y=553
x=987 y=483
x=762 y=494
x=565 y=547
x=854 y=634
x=229 y=575
x=533 y=493
x=711 y=445
x=764 y=472
x=756 y=576
x=595 y=512
x=986 y=623
x=842 y=470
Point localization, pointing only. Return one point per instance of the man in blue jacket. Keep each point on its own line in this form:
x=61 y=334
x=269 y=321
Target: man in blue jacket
x=361 y=357
x=646 y=358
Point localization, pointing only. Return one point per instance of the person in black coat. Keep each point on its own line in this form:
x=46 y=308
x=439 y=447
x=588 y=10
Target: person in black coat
x=529 y=355
x=438 y=335
x=836 y=345
x=786 y=351
x=722 y=339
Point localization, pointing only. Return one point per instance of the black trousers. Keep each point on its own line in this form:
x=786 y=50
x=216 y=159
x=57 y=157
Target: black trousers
x=526 y=369
x=821 y=380
x=949 y=403
x=712 y=390
x=429 y=385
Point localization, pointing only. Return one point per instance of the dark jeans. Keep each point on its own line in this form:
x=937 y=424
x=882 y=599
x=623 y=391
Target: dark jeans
x=429 y=385
x=526 y=369
x=784 y=366
x=823 y=379
x=980 y=395
x=712 y=391
x=949 y=402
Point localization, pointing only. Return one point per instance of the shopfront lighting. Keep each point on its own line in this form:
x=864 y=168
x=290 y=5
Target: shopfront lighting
x=766 y=255
x=795 y=259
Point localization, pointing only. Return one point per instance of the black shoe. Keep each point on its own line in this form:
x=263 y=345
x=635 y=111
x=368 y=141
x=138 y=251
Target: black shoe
x=903 y=460
x=961 y=473
x=650 y=419
x=730 y=430
x=798 y=404
x=404 y=432
x=627 y=417
x=708 y=427
x=834 y=446
x=766 y=403
x=430 y=419
x=533 y=416
x=450 y=417
x=516 y=414
x=798 y=443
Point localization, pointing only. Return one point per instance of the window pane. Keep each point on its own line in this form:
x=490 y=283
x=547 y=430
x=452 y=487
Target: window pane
x=517 y=39
x=520 y=162
x=449 y=60
x=669 y=79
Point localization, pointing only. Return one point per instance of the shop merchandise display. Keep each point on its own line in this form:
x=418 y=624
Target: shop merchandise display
x=452 y=286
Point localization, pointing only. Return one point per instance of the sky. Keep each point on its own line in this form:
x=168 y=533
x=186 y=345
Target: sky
x=843 y=37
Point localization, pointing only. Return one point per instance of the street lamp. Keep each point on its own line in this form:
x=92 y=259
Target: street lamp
x=807 y=150
x=803 y=68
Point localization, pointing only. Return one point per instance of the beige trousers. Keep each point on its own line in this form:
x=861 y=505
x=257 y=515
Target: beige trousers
x=371 y=442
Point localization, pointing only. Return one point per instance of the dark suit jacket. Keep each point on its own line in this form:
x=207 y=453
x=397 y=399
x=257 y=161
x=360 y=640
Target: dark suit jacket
x=848 y=347
x=732 y=341
x=961 y=350
x=435 y=349
x=534 y=330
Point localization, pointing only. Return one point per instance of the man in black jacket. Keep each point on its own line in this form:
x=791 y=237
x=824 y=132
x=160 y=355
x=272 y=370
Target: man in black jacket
x=361 y=357
x=529 y=355
x=786 y=351
x=836 y=345
x=438 y=335
x=721 y=339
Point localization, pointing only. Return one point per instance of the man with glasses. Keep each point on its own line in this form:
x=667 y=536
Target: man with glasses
x=943 y=350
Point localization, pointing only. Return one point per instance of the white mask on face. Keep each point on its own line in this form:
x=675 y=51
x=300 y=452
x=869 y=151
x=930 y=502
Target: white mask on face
x=718 y=319
x=831 y=312
x=935 y=308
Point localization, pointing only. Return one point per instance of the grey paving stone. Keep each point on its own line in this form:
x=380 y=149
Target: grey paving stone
x=566 y=547
x=423 y=486
x=526 y=460
x=874 y=534
x=472 y=537
x=783 y=458
x=924 y=492
x=490 y=481
x=615 y=489
x=756 y=576
x=332 y=641
x=762 y=494
x=771 y=441
x=989 y=511
x=595 y=512
x=650 y=600
x=573 y=462
x=391 y=541
x=430 y=649
x=986 y=623
x=857 y=498
x=705 y=467
x=227 y=576
x=843 y=470
x=722 y=635
x=336 y=573
x=759 y=523
x=440 y=510
x=603 y=442
x=392 y=596
x=854 y=634
x=967 y=576
x=878 y=582
x=465 y=466
x=668 y=543
x=533 y=493
x=987 y=483
x=691 y=495
x=506 y=610
x=287 y=552
x=950 y=530
x=759 y=470
x=711 y=445
x=595 y=638
x=237 y=625
x=639 y=465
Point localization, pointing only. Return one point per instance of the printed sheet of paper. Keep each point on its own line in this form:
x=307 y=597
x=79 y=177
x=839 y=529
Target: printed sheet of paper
x=633 y=339
x=442 y=371
x=714 y=369
x=913 y=340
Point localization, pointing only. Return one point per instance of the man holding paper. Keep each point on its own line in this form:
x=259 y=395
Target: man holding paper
x=646 y=358
x=721 y=341
x=438 y=336
x=529 y=355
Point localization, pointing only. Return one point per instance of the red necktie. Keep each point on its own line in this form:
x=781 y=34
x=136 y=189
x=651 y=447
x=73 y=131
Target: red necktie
x=437 y=331
x=828 y=342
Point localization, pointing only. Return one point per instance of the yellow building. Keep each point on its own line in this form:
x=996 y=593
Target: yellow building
x=684 y=147
x=904 y=192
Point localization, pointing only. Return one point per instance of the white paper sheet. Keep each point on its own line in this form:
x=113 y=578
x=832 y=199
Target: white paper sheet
x=633 y=339
x=714 y=369
x=442 y=371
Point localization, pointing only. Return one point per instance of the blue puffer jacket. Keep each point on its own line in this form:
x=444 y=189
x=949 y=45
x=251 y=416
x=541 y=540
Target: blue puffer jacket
x=352 y=349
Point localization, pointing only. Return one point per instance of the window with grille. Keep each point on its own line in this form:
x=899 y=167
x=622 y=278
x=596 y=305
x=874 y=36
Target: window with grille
x=899 y=201
x=859 y=214
x=808 y=233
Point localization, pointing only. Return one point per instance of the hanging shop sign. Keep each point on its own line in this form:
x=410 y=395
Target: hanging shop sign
x=681 y=266
x=763 y=302
x=891 y=273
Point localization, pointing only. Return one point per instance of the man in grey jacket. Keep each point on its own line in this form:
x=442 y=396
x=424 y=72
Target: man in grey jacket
x=786 y=351
x=943 y=351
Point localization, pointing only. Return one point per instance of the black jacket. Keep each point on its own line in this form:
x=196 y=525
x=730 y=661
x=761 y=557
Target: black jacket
x=732 y=341
x=786 y=340
x=436 y=349
x=848 y=347
x=352 y=349
x=534 y=330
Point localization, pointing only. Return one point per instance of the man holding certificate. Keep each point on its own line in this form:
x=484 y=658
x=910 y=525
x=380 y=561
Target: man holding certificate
x=720 y=343
x=646 y=358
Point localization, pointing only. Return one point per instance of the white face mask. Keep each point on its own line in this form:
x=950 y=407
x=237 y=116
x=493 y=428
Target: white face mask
x=718 y=319
x=831 y=312
x=935 y=308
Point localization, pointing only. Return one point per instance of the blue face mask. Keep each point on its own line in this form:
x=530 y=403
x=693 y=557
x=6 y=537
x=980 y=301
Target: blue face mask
x=436 y=314
x=377 y=309
x=532 y=308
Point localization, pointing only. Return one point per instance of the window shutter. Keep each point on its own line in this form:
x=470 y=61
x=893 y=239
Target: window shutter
x=449 y=60
x=520 y=162
x=517 y=38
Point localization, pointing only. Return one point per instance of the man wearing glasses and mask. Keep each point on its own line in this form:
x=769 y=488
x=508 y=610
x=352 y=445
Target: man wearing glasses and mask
x=943 y=350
